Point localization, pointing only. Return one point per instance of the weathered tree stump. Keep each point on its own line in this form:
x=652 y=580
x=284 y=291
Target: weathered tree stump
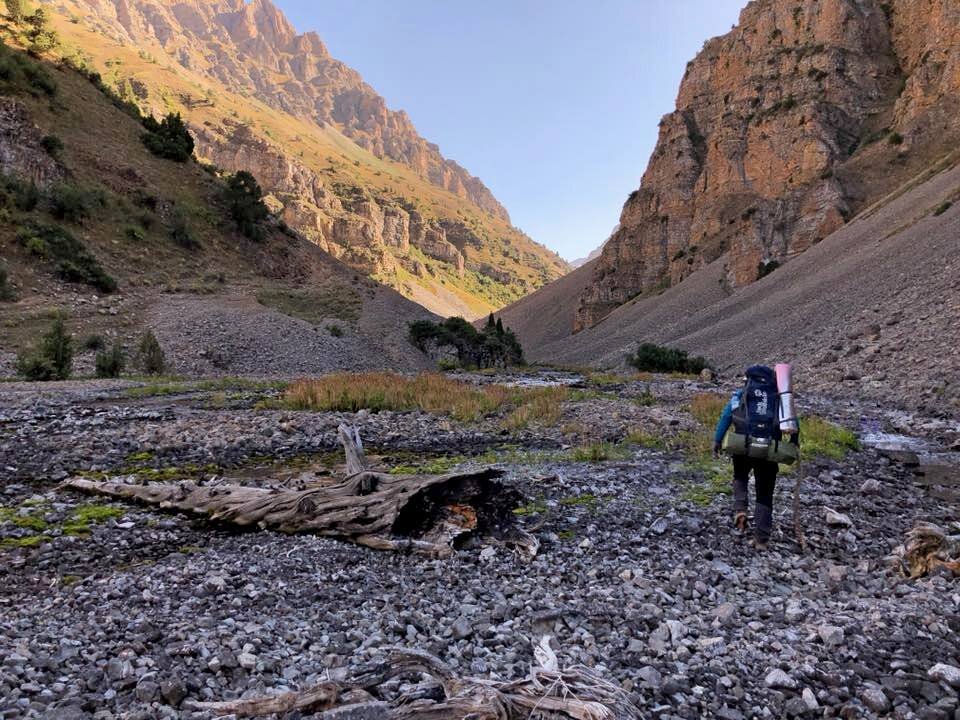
x=430 y=514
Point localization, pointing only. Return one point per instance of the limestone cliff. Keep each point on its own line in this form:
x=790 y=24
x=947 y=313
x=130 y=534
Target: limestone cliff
x=341 y=168
x=251 y=47
x=786 y=126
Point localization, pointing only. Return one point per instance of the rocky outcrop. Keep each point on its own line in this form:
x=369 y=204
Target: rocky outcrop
x=22 y=154
x=251 y=47
x=749 y=164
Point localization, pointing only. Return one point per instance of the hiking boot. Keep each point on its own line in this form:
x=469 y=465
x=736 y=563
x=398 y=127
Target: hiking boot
x=740 y=521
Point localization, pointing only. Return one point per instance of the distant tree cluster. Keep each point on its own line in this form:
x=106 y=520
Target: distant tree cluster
x=168 y=138
x=656 y=358
x=494 y=346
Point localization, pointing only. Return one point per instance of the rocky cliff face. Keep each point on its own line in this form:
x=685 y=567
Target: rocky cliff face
x=339 y=167
x=783 y=129
x=250 y=47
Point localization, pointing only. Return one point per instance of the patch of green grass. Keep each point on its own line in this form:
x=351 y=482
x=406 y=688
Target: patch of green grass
x=68 y=580
x=189 y=549
x=314 y=306
x=646 y=439
x=942 y=208
x=645 y=398
x=83 y=516
x=598 y=452
x=535 y=507
x=717 y=480
x=140 y=457
x=24 y=542
x=179 y=387
x=825 y=439
x=436 y=466
x=567 y=535
x=586 y=500
x=30 y=522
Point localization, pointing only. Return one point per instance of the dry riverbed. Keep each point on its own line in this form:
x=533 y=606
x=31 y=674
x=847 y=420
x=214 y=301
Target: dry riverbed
x=110 y=610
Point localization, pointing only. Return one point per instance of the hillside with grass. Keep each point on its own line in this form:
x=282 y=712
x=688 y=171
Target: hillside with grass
x=100 y=221
x=338 y=166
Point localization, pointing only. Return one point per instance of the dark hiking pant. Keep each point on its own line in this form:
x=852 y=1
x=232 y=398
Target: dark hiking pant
x=765 y=478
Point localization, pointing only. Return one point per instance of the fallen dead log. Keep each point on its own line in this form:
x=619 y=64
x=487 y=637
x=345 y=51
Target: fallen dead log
x=926 y=548
x=431 y=514
x=547 y=693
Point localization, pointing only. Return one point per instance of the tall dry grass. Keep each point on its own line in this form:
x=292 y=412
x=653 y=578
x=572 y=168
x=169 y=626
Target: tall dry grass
x=430 y=392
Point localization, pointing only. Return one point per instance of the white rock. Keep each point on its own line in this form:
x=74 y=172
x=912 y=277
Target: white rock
x=837 y=519
x=777 y=678
x=248 y=661
x=941 y=672
x=810 y=699
x=831 y=635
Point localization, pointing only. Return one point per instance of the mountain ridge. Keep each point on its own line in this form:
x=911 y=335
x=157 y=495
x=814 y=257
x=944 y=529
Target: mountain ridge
x=380 y=216
x=784 y=128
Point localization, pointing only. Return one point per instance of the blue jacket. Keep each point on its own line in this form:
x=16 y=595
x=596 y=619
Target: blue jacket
x=726 y=417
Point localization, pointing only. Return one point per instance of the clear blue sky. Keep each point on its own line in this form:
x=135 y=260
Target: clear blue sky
x=554 y=104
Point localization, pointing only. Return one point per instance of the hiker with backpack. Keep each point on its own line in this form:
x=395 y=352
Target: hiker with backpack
x=758 y=430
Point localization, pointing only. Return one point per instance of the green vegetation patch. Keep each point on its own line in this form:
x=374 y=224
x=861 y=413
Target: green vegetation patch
x=84 y=516
x=494 y=346
x=74 y=263
x=656 y=358
x=314 y=306
x=599 y=452
x=825 y=439
x=20 y=73
x=717 y=480
x=436 y=466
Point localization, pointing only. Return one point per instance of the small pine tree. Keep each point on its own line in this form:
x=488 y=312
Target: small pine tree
x=150 y=357
x=499 y=326
x=245 y=197
x=53 y=359
x=110 y=363
x=490 y=323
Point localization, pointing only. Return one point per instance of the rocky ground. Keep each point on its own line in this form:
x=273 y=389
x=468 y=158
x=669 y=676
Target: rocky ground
x=117 y=611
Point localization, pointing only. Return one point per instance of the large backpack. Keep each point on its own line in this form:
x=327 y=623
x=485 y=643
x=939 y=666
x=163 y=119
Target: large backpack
x=756 y=420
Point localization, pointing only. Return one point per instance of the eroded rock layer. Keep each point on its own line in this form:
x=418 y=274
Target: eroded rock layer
x=783 y=128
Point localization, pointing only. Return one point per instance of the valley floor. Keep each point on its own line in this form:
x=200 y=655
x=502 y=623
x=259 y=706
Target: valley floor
x=110 y=610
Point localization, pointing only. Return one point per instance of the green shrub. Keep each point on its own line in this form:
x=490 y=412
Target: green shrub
x=40 y=37
x=93 y=342
x=20 y=73
x=53 y=145
x=895 y=138
x=72 y=203
x=53 y=359
x=335 y=330
x=74 y=261
x=168 y=138
x=656 y=358
x=181 y=233
x=494 y=346
x=149 y=357
x=26 y=196
x=6 y=292
x=110 y=363
x=245 y=198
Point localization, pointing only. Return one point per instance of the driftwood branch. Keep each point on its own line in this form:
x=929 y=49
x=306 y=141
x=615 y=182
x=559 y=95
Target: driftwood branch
x=926 y=548
x=428 y=514
x=548 y=693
